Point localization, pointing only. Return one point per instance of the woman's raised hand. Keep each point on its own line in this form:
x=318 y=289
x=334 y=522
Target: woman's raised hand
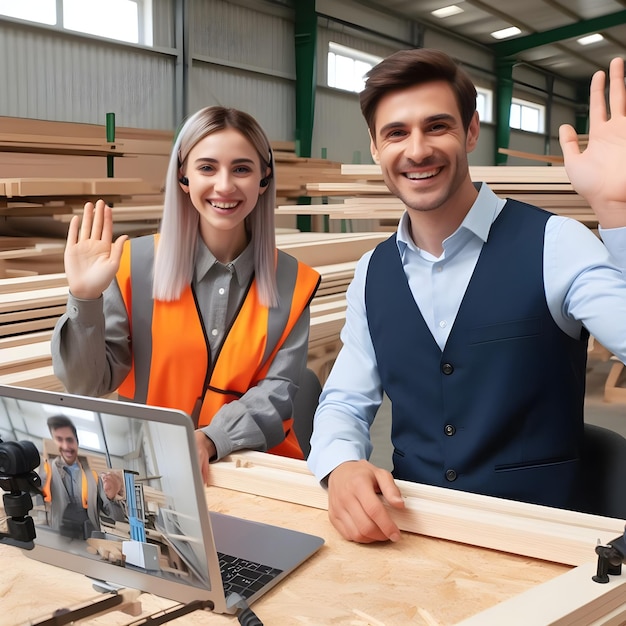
x=91 y=257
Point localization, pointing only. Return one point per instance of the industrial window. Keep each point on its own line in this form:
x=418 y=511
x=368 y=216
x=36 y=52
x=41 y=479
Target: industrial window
x=484 y=104
x=528 y=116
x=124 y=20
x=347 y=67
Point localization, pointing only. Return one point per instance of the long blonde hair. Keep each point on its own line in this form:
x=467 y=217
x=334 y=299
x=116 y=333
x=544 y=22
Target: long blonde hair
x=174 y=261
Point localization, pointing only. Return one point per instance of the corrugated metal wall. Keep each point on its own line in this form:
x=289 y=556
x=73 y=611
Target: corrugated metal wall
x=339 y=125
x=270 y=101
x=61 y=76
x=242 y=55
x=245 y=59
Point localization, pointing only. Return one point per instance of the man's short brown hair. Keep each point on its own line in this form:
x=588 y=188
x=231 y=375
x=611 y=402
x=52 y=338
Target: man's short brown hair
x=407 y=68
x=61 y=421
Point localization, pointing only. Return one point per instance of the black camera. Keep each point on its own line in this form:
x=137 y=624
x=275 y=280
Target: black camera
x=18 y=457
x=18 y=460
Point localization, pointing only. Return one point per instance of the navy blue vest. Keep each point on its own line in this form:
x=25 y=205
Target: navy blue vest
x=500 y=411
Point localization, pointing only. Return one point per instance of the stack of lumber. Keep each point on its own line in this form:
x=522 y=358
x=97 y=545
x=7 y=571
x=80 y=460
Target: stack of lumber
x=30 y=256
x=293 y=173
x=334 y=256
x=367 y=197
x=70 y=138
x=30 y=307
x=71 y=155
x=29 y=146
x=75 y=190
x=31 y=304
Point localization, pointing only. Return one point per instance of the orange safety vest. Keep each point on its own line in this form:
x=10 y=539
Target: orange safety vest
x=47 y=491
x=172 y=364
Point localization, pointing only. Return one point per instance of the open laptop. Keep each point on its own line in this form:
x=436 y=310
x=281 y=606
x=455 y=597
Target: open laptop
x=157 y=534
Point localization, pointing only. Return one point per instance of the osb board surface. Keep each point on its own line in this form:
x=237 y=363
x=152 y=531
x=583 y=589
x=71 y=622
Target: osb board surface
x=420 y=580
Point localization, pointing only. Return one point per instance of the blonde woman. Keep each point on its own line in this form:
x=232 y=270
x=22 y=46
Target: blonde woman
x=208 y=316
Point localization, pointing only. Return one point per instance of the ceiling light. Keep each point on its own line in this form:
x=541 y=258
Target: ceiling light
x=453 y=9
x=506 y=32
x=585 y=41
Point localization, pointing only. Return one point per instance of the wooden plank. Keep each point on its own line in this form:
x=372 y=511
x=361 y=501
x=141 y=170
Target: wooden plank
x=64 y=187
x=37 y=250
x=546 y=158
x=37 y=378
x=284 y=146
x=568 y=204
x=339 y=189
x=571 y=599
x=36 y=337
x=24 y=329
x=47 y=281
x=20 y=187
x=540 y=532
x=21 y=358
x=122 y=213
x=33 y=299
x=318 y=249
x=487 y=173
x=43 y=312
x=49 y=144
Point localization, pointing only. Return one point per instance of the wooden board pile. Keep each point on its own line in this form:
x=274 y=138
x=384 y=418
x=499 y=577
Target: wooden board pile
x=364 y=195
x=71 y=155
x=334 y=256
x=31 y=305
x=29 y=308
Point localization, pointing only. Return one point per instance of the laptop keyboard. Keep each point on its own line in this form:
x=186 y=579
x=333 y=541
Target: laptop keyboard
x=244 y=577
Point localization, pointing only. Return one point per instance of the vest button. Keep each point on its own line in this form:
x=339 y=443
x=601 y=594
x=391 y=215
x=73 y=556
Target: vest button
x=447 y=369
x=449 y=430
x=450 y=475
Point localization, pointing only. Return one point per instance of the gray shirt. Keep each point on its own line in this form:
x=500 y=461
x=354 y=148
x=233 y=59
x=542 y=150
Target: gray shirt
x=91 y=352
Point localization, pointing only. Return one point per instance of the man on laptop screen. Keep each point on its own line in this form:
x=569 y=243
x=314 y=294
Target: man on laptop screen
x=161 y=538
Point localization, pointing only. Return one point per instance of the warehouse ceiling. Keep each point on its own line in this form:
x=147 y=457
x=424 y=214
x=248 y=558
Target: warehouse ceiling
x=549 y=35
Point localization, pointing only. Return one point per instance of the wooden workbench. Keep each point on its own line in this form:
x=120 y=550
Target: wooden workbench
x=426 y=578
x=420 y=580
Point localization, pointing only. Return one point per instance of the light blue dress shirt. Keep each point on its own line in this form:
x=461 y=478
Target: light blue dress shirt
x=584 y=285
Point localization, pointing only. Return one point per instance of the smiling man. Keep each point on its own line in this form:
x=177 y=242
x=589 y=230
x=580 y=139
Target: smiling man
x=474 y=317
x=71 y=490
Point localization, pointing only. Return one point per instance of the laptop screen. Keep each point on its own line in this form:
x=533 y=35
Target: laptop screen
x=121 y=497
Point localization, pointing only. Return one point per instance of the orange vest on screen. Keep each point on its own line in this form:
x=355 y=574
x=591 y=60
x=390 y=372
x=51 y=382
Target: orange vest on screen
x=47 y=490
x=171 y=358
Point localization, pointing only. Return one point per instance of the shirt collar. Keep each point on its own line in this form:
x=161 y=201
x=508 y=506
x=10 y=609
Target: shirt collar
x=242 y=267
x=478 y=220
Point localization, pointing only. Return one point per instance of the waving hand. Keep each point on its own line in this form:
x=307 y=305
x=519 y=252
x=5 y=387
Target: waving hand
x=597 y=173
x=91 y=258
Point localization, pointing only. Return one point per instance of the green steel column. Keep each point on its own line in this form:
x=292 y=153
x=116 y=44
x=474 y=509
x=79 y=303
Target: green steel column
x=547 y=140
x=110 y=133
x=504 y=95
x=306 y=80
x=582 y=110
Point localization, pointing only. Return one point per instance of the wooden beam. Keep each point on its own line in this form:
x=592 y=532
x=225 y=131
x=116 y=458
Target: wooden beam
x=571 y=599
x=546 y=158
x=539 y=532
